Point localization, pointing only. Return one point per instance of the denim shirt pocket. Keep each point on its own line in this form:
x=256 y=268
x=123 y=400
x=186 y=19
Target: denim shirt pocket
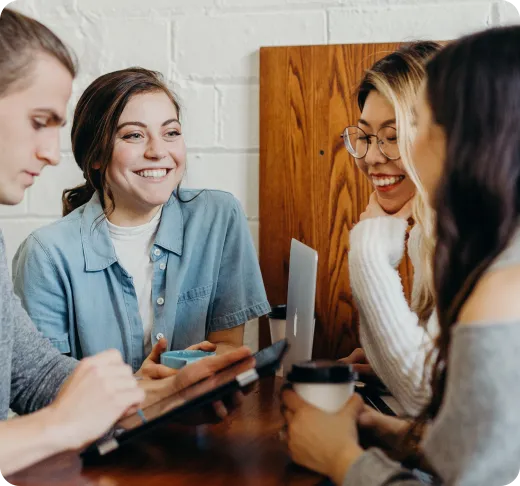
x=192 y=314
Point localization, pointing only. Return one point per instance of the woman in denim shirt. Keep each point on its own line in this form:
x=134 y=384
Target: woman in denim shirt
x=136 y=259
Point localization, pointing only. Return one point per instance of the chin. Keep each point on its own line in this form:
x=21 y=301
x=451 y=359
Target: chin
x=156 y=200
x=392 y=206
x=12 y=198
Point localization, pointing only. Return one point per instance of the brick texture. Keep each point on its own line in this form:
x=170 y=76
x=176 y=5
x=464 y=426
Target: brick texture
x=209 y=50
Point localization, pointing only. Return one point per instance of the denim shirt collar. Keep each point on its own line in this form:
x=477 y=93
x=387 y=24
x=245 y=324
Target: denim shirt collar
x=98 y=249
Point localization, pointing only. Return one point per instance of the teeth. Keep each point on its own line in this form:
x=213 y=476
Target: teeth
x=386 y=181
x=154 y=174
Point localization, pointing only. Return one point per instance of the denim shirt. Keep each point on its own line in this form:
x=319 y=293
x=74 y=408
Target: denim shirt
x=206 y=278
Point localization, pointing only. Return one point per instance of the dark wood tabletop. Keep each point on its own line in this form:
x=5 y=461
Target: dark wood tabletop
x=244 y=449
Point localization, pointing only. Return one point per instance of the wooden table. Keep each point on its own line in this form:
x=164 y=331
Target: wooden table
x=243 y=450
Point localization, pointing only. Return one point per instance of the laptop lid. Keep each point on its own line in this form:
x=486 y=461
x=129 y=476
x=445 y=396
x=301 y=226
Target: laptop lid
x=303 y=270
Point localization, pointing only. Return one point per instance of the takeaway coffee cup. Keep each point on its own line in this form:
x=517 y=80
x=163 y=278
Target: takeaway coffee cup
x=327 y=385
x=277 y=321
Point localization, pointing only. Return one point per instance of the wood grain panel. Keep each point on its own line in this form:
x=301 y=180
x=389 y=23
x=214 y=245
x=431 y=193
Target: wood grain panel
x=310 y=188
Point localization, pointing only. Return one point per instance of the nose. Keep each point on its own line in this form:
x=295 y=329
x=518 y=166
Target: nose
x=374 y=155
x=48 y=149
x=155 y=150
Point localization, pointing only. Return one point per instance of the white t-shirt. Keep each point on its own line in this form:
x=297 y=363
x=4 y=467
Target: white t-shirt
x=133 y=246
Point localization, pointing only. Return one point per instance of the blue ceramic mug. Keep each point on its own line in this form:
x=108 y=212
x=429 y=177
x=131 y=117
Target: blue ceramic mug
x=179 y=359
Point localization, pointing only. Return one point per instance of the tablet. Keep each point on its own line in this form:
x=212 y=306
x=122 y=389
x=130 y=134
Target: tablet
x=216 y=387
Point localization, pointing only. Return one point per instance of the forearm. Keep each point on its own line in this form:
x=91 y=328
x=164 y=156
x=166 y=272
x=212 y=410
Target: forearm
x=227 y=340
x=27 y=440
x=395 y=344
x=344 y=461
x=373 y=468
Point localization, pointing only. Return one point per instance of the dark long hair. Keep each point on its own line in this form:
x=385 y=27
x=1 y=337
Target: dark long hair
x=21 y=39
x=95 y=125
x=473 y=89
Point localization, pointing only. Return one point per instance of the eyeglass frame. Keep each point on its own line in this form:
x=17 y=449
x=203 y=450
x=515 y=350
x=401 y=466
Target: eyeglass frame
x=369 y=136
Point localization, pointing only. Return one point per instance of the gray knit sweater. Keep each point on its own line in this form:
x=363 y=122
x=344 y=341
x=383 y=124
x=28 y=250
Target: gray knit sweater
x=31 y=369
x=475 y=439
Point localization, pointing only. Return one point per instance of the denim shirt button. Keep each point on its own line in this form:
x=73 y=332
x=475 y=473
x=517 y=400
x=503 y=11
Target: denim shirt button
x=157 y=252
x=162 y=266
x=160 y=335
x=160 y=301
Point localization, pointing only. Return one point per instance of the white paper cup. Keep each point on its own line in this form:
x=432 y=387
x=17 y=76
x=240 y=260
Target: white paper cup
x=328 y=385
x=277 y=328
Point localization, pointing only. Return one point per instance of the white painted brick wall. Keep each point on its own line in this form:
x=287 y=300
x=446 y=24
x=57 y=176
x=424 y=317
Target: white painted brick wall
x=209 y=49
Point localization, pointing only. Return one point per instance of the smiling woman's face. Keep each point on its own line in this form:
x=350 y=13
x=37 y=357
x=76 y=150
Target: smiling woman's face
x=149 y=156
x=392 y=185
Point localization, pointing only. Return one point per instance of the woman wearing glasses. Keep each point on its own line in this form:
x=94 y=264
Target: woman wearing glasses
x=395 y=336
x=467 y=154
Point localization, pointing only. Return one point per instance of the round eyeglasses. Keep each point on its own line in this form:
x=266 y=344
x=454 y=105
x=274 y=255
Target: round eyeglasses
x=357 y=142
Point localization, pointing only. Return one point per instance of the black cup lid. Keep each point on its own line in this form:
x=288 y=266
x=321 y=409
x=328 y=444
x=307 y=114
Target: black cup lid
x=278 y=312
x=322 y=371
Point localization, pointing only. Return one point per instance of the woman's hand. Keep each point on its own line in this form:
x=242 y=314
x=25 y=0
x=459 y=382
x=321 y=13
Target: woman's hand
x=374 y=210
x=388 y=431
x=359 y=362
x=152 y=368
x=99 y=391
x=324 y=442
x=203 y=346
x=195 y=372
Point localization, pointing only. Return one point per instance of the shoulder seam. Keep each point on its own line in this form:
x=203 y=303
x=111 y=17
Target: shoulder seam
x=47 y=254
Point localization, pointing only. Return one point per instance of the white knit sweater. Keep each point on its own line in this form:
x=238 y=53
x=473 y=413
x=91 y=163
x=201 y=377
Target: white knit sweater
x=395 y=342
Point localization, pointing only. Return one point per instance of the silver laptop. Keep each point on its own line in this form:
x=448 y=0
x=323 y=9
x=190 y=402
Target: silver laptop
x=303 y=270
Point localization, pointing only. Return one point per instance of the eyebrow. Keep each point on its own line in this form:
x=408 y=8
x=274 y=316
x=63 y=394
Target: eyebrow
x=55 y=118
x=384 y=124
x=141 y=124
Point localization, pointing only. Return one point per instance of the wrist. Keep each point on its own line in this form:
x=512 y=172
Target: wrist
x=56 y=433
x=344 y=461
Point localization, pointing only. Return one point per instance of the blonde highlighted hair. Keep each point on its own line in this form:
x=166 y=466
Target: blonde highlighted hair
x=398 y=77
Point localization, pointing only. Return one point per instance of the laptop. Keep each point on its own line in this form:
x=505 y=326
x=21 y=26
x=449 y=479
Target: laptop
x=301 y=295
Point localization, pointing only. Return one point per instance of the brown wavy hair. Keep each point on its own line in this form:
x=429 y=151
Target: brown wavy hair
x=472 y=90
x=95 y=125
x=21 y=40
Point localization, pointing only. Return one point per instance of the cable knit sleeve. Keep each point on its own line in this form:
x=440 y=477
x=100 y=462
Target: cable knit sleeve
x=394 y=342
